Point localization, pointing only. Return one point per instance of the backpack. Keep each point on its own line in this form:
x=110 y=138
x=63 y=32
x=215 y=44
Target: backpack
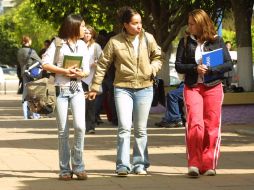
x=33 y=69
x=41 y=94
x=34 y=72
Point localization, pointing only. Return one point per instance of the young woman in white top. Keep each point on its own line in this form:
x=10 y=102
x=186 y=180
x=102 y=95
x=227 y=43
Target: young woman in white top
x=70 y=32
x=94 y=52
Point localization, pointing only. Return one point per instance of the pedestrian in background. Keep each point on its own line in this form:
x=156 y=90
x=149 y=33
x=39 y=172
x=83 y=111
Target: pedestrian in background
x=137 y=58
x=228 y=45
x=203 y=99
x=25 y=56
x=46 y=45
x=94 y=54
x=69 y=92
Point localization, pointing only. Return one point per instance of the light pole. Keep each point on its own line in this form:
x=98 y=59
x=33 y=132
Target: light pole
x=219 y=22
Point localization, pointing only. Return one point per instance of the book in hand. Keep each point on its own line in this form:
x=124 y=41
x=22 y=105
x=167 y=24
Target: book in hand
x=212 y=59
x=71 y=61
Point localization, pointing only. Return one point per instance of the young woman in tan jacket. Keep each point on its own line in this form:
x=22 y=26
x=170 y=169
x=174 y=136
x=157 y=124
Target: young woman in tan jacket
x=137 y=58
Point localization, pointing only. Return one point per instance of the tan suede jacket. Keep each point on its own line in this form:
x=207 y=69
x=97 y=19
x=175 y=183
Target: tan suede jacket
x=131 y=71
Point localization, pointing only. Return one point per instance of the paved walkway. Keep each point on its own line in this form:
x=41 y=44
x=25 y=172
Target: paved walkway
x=29 y=158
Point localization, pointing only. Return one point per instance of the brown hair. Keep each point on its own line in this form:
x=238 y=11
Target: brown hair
x=70 y=29
x=205 y=25
x=26 y=41
x=93 y=34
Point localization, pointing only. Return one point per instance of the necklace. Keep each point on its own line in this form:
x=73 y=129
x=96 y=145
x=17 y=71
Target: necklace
x=72 y=46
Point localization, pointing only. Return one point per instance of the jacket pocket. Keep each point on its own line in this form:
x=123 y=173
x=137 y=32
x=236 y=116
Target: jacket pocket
x=126 y=70
x=146 y=71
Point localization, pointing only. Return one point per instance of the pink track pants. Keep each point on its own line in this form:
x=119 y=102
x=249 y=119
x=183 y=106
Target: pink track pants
x=203 y=126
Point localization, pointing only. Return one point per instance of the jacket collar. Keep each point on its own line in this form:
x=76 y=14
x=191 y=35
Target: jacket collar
x=130 y=38
x=194 y=38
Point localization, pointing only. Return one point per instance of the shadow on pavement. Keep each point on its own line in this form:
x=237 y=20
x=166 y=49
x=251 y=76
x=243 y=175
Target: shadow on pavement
x=155 y=181
x=36 y=141
x=105 y=137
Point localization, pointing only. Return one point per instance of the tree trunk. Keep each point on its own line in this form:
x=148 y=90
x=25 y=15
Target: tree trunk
x=242 y=10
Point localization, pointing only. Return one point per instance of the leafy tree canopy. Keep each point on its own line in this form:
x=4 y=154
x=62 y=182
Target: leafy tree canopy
x=19 y=21
x=163 y=18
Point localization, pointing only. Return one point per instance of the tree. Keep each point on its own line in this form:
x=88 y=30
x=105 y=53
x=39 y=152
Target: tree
x=8 y=48
x=19 y=21
x=163 y=18
x=242 y=10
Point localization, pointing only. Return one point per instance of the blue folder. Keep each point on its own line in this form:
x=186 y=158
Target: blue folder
x=213 y=59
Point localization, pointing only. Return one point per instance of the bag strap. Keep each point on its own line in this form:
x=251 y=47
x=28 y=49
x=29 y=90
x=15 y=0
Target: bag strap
x=27 y=59
x=154 y=78
x=58 y=44
x=28 y=55
x=147 y=44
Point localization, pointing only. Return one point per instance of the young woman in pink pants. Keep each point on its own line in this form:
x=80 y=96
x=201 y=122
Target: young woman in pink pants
x=203 y=93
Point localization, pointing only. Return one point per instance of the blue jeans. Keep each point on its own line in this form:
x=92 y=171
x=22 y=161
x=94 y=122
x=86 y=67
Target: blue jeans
x=75 y=153
x=132 y=106
x=26 y=112
x=174 y=102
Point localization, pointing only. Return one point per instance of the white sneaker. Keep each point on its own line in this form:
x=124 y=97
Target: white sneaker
x=193 y=172
x=210 y=173
x=140 y=171
x=91 y=131
x=122 y=172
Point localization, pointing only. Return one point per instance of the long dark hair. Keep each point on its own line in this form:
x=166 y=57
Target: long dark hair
x=70 y=29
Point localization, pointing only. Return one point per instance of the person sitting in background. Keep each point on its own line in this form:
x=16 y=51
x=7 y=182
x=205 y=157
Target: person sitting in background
x=231 y=77
x=228 y=45
x=228 y=75
x=174 y=115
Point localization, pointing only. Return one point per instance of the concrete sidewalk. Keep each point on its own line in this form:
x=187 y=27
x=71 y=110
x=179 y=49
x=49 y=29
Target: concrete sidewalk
x=29 y=157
